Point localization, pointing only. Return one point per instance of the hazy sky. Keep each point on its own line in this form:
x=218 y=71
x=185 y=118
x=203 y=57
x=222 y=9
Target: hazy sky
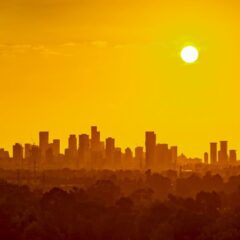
x=68 y=64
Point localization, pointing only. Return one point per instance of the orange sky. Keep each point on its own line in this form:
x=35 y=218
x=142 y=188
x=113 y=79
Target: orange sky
x=68 y=64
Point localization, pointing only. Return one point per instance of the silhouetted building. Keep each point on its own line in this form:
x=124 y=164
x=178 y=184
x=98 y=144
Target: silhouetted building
x=109 y=152
x=43 y=143
x=150 y=146
x=206 y=158
x=139 y=157
x=118 y=158
x=96 y=151
x=84 y=150
x=56 y=147
x=72 y=145
x=233 y=156
x=213 y=153
x=163 y=157
x=18 y=154
x=128 y=158
x=49 y=155
x=27 y=150
x=223 y=155
x=35 y=157
x=174 y=156
x=4 y=154
x=92 y=153
x=95 y=139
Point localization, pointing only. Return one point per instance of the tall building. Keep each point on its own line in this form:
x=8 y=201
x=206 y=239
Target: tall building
x=150 y=146
x=56 y=147
x=27 y=150
x=84 y=150
x=95 y=139
x=18 y=154
x=205 y=158
x=96 y=152
x=109 y=152
x=72 y=145
x=43 y=143
x=118 y=158
x=49 y=154
x=232 y=156
x=139 y=157
x=128 y=158
x=35 y=157
x=213 y=153
x=223 y=152
x=174 y=156
x=71 y=153
x=163 y=157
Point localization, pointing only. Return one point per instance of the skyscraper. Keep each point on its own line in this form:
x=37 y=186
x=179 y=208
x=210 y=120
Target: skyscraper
x=174 y=155
x=163 y=157
x=35 y=157
x=43 y=143
x=205 y=158
x=56 y=147
x=150 y=146
x=232 y=156
x=128 y=158
x=109 y=151
x=84 y=150
x=27 y=150
x=95 y=139
x=139 y=157
x=18 y=154
x=118 y=158
x=49 y=154
x=96 y=151
x=223 y=152
x=213 y=153
x=72 y=145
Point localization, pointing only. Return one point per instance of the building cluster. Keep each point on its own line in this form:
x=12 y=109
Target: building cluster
x=159 y=156
x=221 y=156
x=89 y=152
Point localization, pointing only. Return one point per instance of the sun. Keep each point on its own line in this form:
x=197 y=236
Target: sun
x=189 y=54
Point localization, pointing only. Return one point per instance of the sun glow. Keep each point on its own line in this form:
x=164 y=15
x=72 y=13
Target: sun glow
x=189 y=54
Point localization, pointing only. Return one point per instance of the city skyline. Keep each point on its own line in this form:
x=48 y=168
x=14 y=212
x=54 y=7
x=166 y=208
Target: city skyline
x=91 y=151
x=122 y=143
x=119 y=120
x=68 y=64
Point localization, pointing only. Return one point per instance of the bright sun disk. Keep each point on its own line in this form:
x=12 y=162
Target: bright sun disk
x=189 y=54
